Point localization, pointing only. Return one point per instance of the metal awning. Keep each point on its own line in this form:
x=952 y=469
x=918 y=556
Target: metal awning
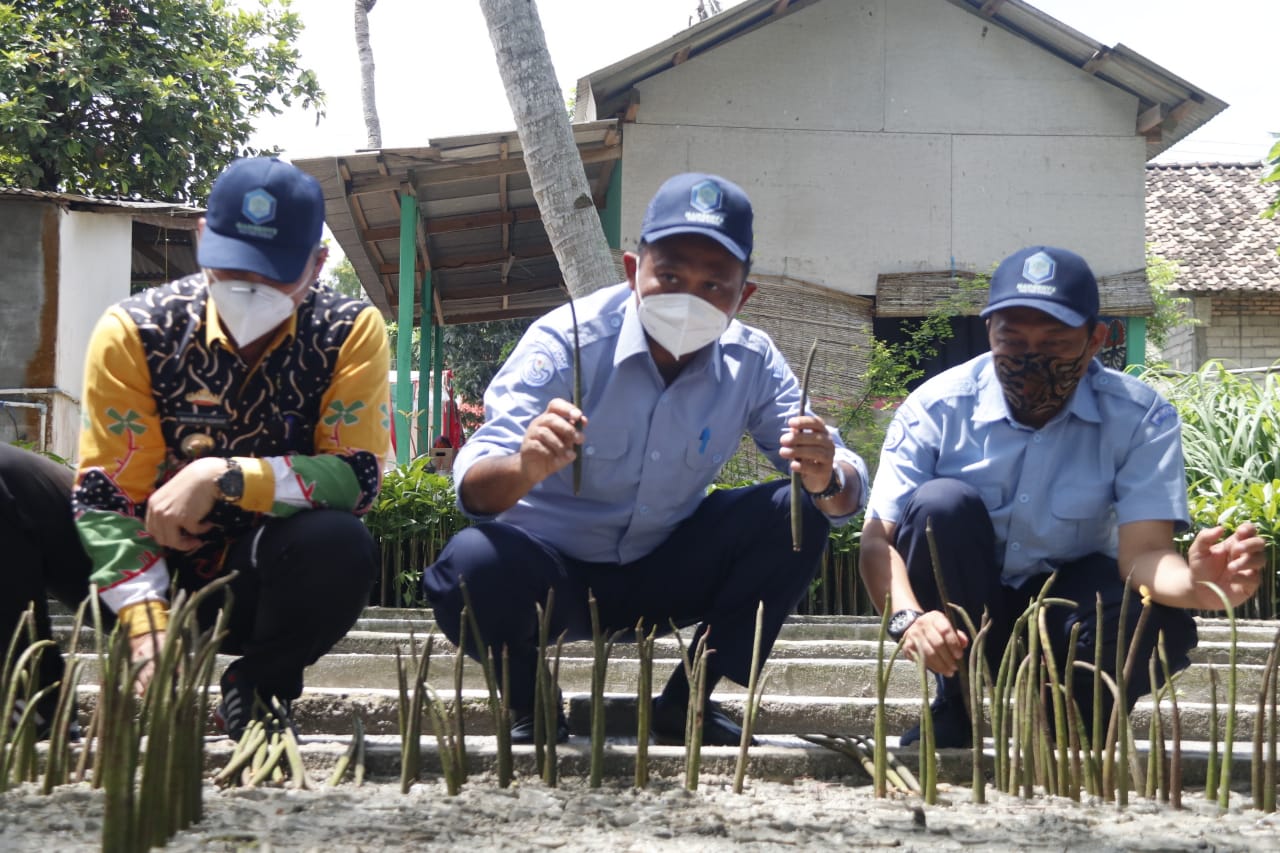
x=479 y=232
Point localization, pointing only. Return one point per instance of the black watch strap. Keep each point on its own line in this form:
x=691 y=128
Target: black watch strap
x=834 y=486
x=900 y=621
x=231 y=482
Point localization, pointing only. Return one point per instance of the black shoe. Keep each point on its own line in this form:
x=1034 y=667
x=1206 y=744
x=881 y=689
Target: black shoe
x=951 y=726
x=667 y=722
x=522 y=728
x=241 y=704
x=44 y=724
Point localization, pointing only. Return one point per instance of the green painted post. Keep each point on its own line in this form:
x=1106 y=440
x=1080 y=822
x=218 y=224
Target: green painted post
x=1136 y=342
x=428 y=332
x=611 y=216
x=437 y=385
x=404 y=341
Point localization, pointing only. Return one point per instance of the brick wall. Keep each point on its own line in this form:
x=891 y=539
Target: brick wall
x=1243 y=329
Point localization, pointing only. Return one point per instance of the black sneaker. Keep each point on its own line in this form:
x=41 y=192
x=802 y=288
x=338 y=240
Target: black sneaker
x=522 y=727
x=44 y=724
x=667 y=722
x=951 y=726
x=241 y=704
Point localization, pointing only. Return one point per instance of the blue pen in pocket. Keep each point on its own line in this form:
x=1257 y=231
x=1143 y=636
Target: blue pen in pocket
x=703 y=438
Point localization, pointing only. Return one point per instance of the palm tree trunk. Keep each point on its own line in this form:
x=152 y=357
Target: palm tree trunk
x=372 y=126
x=551 y=157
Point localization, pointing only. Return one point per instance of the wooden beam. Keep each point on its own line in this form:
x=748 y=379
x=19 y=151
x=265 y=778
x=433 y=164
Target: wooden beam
x=494 y=290
x=990 y=8
x=468 y=171
x=504 y=152
x=454 y=263
x=462 y=222
x=1180 y=110
x=632 y=109
x=1150 y=119
x=681 y=56
x=780 y=6
x=1095 y=62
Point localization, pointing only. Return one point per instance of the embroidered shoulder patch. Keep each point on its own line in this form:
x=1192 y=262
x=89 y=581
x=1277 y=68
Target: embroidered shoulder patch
x=537 y=369
x=895 y=434
x=1163 y=414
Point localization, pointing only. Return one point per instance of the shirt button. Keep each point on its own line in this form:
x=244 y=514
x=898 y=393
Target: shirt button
x=716 y=458
x=655 y=456
x=1103 y=381
x=1015 y=546
x=615 y=321
x=1037 y=438
x=590 y=450
x=644 y=508
x=1023 y=498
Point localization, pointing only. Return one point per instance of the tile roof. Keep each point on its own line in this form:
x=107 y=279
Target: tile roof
x=1206 y=217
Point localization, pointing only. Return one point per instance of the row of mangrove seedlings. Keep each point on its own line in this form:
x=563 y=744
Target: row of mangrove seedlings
x=146 y=751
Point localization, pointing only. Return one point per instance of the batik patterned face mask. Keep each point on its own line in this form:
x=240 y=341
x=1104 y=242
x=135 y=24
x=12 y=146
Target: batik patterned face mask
x=1037 y=385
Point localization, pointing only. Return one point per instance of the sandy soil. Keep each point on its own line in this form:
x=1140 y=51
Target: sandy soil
x=530 y=816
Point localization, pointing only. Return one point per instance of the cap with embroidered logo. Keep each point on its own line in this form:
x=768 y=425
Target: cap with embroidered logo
x=265 y=216
x=1055 y=281
x=695 y=203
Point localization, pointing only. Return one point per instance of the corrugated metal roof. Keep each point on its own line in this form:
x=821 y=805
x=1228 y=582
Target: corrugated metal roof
x=1207 y=218
x=89 y=202
x=1169 y=107
x=480 y=232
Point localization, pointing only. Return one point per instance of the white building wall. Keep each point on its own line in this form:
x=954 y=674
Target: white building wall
x=880 y=136
x=94 y=262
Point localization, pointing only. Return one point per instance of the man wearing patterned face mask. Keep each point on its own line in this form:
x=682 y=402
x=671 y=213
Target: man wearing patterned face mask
x=235 y=420
x=670 y=382
x=1031 y=459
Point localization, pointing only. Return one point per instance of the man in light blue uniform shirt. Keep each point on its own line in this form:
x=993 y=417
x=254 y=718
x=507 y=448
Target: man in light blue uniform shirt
x=1030 y=459
x=670 y=382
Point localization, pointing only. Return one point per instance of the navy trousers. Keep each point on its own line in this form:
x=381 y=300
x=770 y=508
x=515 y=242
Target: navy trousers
x=732 y=553
x=303 y=579
x=967 y=552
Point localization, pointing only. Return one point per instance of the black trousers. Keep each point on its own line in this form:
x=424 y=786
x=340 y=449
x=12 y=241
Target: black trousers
x=967 y=552
x=303 y=580
x=732 y=553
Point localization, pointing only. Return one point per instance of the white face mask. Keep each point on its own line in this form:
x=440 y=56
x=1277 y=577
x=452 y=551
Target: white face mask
x=681 y=322
x=248 y=310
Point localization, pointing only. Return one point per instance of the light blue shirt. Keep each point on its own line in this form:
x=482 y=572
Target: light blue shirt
x=650 y=449
x=1111 y=457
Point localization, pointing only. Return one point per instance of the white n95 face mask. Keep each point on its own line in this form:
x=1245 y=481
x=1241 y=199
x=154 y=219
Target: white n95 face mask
x=681 y=322
x=249 y=310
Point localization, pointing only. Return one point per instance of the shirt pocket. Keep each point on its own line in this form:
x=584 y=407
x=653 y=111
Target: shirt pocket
x=702 y=454
x=604 y=461
x=1075 y=503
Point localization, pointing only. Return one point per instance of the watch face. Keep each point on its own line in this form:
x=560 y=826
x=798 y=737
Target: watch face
x=231 y=484
x=900 y=622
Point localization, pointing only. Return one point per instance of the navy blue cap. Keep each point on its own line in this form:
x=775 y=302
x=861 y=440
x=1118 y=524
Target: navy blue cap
x=694 y=203
x=1055 y=281
x=265 y=216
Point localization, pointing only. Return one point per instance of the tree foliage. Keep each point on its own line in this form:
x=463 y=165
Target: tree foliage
x=150 y=98
x=342 y=278
x=1273 y=160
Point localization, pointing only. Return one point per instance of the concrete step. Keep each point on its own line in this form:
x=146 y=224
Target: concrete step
x=779 y=758
x=783 y=675
x=327 y=710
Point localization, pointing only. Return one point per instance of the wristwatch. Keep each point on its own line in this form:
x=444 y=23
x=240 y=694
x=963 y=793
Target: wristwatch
x=834 y=486
x=231 y=483
x=900 y=621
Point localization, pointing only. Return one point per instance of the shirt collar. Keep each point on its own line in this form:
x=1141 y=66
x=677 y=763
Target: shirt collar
x=632 y=341
x=991 y=405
